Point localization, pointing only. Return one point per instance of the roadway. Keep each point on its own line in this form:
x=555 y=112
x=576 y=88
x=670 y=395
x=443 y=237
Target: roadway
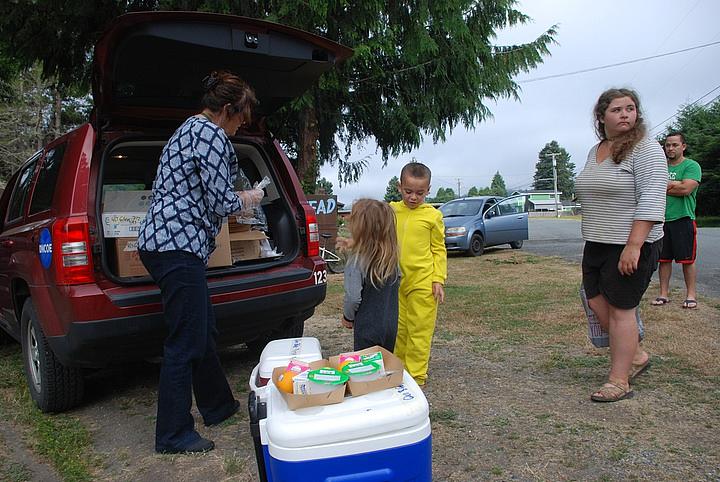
x=561 y=237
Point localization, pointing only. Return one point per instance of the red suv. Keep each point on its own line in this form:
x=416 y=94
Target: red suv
x=61 y=292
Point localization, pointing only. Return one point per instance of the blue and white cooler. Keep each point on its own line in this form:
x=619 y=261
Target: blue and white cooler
x=380 y=436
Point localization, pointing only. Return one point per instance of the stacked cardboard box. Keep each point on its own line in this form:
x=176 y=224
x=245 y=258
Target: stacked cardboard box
x=244 y=242
x=123 y=211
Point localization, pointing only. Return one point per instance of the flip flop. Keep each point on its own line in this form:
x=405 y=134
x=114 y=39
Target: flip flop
x=611 y=392
x=689 y=304
x=638 y=368
x=660 y=301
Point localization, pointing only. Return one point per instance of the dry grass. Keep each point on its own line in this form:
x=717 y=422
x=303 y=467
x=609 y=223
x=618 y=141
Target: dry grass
x=510 y=378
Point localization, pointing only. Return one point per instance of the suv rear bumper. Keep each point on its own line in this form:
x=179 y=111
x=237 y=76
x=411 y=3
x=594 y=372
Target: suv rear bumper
x=102 y=342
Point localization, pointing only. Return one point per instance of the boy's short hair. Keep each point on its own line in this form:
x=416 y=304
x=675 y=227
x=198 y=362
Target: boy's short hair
x=417 y=170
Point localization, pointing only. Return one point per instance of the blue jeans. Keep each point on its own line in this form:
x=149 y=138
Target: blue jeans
x=190 y=362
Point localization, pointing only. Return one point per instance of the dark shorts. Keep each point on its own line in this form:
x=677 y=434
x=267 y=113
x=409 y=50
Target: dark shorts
x=679 y=241
x=601 y=275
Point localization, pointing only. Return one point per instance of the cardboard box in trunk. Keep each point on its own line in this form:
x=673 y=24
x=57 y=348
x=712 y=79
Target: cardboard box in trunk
x=123 y=211
x=128 y=260
x=235 y=226
x=393 y=372
x=222 y=255
x=302 y=401
x=246 y=245
x=129 y=264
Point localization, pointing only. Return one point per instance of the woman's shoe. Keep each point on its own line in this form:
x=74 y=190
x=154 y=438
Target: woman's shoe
x=233 y=411
x=637 y=368
x=199 y=446
x=611 y=392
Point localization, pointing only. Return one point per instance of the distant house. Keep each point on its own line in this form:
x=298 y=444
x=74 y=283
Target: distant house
x=541 y=200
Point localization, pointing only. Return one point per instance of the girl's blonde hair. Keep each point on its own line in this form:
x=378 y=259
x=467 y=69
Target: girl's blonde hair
x=372 y=226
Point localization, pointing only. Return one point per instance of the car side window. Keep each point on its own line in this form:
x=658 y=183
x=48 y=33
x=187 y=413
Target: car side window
x=488 y=204
x=515 y=205
x=20 y=192
x=47 y=179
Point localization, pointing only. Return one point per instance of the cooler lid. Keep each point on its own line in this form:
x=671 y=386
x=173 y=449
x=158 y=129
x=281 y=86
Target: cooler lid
x=377 y=413
x=278 y=353
x=151 y=64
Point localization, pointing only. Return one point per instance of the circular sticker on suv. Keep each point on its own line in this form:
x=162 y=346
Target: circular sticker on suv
x=45 y=248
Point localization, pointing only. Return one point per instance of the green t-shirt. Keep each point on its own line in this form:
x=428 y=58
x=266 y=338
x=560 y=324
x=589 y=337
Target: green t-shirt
x=682 y=206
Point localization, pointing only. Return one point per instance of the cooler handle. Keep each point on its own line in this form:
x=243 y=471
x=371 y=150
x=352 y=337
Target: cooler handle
x=380 y=475
x=257 y=411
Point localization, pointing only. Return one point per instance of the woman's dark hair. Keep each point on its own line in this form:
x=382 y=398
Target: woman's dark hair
x=624 y=143
x=222 y=87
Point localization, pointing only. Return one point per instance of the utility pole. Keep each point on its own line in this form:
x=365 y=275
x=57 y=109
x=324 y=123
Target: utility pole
x=458 y=191
x=555 y=193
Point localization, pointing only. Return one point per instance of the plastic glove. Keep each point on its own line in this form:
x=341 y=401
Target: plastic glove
x=251 y=198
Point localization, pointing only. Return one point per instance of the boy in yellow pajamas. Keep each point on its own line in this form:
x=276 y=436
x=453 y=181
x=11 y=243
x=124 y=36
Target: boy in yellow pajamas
x=423 y=263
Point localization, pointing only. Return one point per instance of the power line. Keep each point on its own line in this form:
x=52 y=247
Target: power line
x=667 y=37
x=593 y=69
x=689 y=105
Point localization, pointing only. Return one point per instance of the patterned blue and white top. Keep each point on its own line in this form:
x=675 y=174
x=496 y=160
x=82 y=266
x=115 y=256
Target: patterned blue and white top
x=192 y=192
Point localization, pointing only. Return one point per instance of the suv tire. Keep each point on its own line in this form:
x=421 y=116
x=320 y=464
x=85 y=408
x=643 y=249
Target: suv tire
x=5 y=339
x=477 y=245
x=53 y=386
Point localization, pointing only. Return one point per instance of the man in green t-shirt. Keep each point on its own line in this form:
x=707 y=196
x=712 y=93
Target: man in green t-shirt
x=680 y=239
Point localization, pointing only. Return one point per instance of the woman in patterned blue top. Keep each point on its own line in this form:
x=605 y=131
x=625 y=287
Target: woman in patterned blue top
x=192 y=192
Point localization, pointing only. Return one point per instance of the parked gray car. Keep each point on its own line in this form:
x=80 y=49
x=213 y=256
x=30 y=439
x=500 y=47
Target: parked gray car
x=474 y=223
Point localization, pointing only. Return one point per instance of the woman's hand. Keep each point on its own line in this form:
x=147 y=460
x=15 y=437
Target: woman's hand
x=347 y=323
x=629 y=257
x=251 y=198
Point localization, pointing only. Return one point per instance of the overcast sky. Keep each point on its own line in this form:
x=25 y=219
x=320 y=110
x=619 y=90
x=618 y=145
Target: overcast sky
x=591 y=33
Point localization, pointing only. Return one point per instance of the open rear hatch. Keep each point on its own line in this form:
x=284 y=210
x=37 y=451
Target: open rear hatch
x=147 y=75
x=149 y=66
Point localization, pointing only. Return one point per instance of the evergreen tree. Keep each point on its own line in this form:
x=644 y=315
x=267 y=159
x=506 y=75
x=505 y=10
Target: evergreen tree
x=392 y=193
x=497 y=186
x=701 y=127
x=324 y=186
x=443 y=195
x=419 y=69
x=543 y=179
x=486 y=191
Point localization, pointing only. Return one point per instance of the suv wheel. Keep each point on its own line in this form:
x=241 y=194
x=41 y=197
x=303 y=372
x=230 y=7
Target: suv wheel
x=5 y=339
x=290 y=329
x=53 y=386
x=516 y=244
x=477 y=246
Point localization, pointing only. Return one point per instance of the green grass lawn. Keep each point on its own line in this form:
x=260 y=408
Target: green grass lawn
x=708 y=221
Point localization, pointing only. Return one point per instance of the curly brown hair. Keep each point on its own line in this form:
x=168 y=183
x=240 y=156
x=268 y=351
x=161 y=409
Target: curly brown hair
x=222 y=87
x=624 y=143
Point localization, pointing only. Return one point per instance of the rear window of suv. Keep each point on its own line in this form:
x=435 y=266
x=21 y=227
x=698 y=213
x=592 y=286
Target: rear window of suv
x=47 y=179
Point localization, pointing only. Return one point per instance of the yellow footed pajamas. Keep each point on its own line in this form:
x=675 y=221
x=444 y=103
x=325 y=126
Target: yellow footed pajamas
x=423 y=261
x=416 y=325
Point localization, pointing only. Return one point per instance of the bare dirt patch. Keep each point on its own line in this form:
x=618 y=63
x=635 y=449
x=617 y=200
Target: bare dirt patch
x=511 y=374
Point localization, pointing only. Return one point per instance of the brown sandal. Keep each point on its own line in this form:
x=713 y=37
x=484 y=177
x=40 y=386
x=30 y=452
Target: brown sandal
x=611 y=392
x=637 y=368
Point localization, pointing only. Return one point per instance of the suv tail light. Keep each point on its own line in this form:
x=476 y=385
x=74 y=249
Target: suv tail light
x=312 y=231
x=71 y=250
